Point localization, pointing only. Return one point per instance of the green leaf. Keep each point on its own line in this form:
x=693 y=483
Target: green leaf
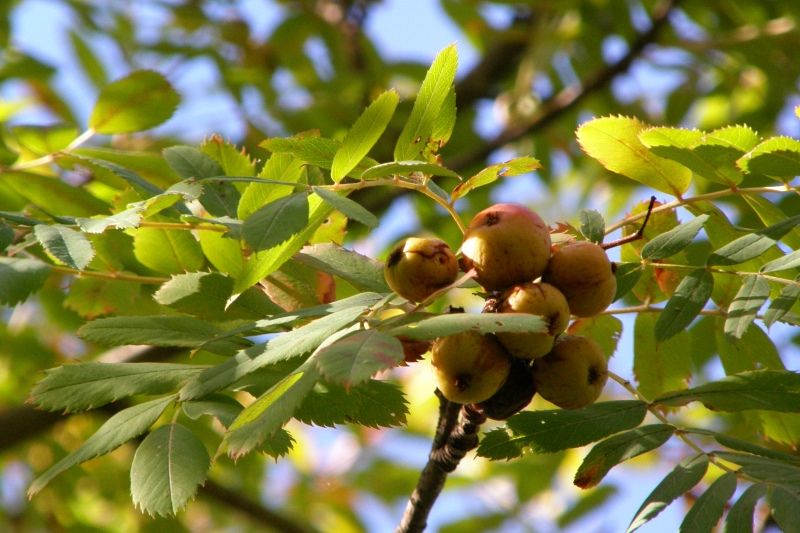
x=82 y=386
x=746 y=446
x=315 y=151
x=373 y=404
x=776 y=473
x=139 y=101
x=364 y=134
x=223 y=408
x=614 y=450
x=6 y=236
x=627 y=275
x=783 y=303
x=683 y=477
x=116 y=431
x=67 y=245
x=771 y=390
x=593 y=227
x=418 y=130
x=686 y=302
x=554 y=430
x=740 y=515
x=742 y=311
x=404 y=168
x=659 y=366
x=770 y=214
x=196 y=293
x=753 y=351
x=167 y=251
x=450 y=324
x=708 y=509
x=283 y=168
x=673 y=241
x=158 y=331
x=492 y=173
x=363 y=272
x=605 y=329
x=262 y=418
x=614 y=142
x=219 y=198
x=19 y=278
x=129 y=218
x=276 y=222
x=169 y=465
x=278 y=444
x=785 y=508
x=92 y=67
x=752 y=245
x=355 y=358
x=43 y=140
x=224 y=253
x=349 y=208
x=776 y=156
x=285 y=346
x=786 y=262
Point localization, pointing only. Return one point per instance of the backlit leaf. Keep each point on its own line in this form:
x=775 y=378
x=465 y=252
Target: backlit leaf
x=167 y=251
x=659 y=366
x=357 y=357
x=276 y=222
x=362 y=272
x=776 y=156
x=450 y=324
x=65 y=244
x=137 y=102
x=782 y=304
x=492 y=173
x=404 y=168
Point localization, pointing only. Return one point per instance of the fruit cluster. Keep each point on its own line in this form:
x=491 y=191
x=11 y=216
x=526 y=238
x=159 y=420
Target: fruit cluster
x=509 y=248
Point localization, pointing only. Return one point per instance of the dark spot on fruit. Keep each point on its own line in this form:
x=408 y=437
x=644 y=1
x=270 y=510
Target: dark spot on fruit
x=551 y=324
x=395 y=257
x=594 y=375
x=462 y=381
x=613 y=267
x=492 y=219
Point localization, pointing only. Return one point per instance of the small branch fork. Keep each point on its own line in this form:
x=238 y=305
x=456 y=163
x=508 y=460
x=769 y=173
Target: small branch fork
x=456 y=434
x=636 y=236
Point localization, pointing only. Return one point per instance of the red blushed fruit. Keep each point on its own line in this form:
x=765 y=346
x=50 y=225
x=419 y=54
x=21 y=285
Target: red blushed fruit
x=418 y=267
x=506 y=244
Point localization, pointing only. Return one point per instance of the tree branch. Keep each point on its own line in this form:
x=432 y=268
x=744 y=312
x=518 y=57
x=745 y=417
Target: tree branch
x=569 y=97
x=456 y=434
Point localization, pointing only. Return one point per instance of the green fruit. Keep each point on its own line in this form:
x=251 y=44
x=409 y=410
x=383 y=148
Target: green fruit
x=583 y=273
x=515 y=394
x=506 y=244
x=536 y=299
x=417 y=268
x=470 y=367
x=573 y=374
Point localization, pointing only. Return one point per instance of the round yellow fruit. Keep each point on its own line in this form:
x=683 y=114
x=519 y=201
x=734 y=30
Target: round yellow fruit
x=573 y=374
x=470 y=367
x=418 y=267
x=536 y=299
x=583 y=273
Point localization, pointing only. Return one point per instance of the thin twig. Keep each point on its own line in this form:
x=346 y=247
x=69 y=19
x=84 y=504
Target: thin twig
x=635 y=236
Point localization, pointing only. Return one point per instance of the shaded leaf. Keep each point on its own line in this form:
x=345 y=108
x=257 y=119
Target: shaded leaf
x=364 y=134
x=786 y=262
x=353 y=210
x=190 y=163
x=19 y=278
x=673 y=241
x=708 y=508
x=592 y=225
x=782 y=304
x=740 y=515
x=81 y=386
x=355 y=358
x=116 y=431
x=276 y=222
x=771 y=390
x=363 y=272
x=742 y=311
x=373 y=404
x=686 y=302
x=627 y=274
x=659 y=366
x=169 y=465
x=614 y=450
x=785 y=508
x=223 y=408
x=776 y=156
x=137 y=102
x=450 y=324
x=752 y=245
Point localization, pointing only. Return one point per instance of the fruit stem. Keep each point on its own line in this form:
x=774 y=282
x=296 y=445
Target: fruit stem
x=456 y=434
x=636 y=236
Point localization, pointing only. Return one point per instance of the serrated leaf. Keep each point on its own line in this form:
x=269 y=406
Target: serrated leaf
x=433 y=92
x=167 y=251
x=614 y=142
x=499 y=444
x=592 y=225
x=65 y=244
x=363 y=272
x=752 y=245
x=554 y=430
x=686 y=302
x=708 y=508
x=492 y=173
x=614 y=450
x=787 y=262
x=364 y=134
x=116 y=431
x=783 y=303
x=776 y=156
x=158 y=331
x=139 y=101
x=169 y=465
x=628 y=275
x=357 y=357
x=742 y=311
x=276 y=222
x=404 y=168
x=82 y=386
x=785 y=508
x=259 y=420
x=129 y=218
x=190 y=163
x=19 y=278
x=673 y=241
x=740 y=515
x=349 y=208
x=605 y=329
x=771 y=390
x=450 y=324
x=285 y=346
x=659 y=366
x=373 y=404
